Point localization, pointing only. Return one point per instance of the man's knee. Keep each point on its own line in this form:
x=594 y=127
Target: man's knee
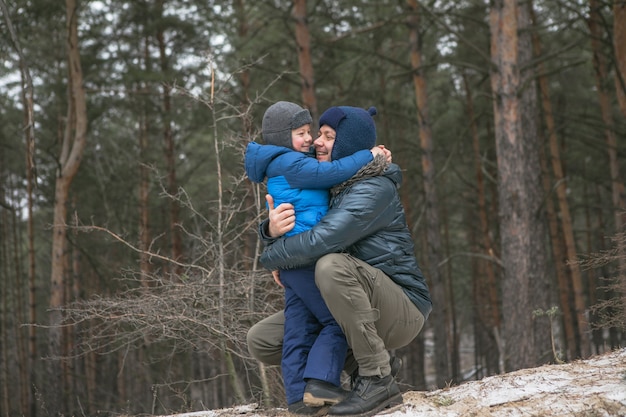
x=329 y=261
x=253 y=341
x=327 y=268
x=265 y=339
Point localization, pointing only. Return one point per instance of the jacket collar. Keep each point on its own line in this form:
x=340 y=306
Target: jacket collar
x=373 y=169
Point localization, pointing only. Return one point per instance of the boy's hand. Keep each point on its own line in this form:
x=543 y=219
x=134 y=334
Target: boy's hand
x=386 y=152
x=281 y=219
x=276 y=275
x=381 y=150
x=377 y=150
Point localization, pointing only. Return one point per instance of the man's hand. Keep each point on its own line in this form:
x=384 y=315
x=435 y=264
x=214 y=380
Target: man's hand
x=282 y=218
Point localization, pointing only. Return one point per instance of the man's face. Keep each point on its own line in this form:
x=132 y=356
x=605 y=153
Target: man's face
x=324 y=143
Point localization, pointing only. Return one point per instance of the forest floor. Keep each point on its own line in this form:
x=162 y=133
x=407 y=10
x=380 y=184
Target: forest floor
x=595 y=387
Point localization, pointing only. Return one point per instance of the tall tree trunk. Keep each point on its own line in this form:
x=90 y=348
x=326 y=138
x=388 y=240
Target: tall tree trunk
x=5 y=363
x=475 y=319
x=144 y=180
x=303 y=40
x=73 y=145
x=602 y=240
x=144 y=205
x=140 y=374
x=31 y=360
x=619 y=46
x=601 y=74
x=592 y=274
x=20 y=336
x=564 y=211
x=452 y=329
x=438 y=287
x=176 y=251
x=558 y=253
x=518 y=191
x=29 y=133
x=541 y=284
x=68 y=331
x=252 y=198
x=32 y=302
x=487 y=284
x=504 y=82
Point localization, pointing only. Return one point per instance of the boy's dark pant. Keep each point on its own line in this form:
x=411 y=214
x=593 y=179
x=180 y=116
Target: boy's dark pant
x=314 y=345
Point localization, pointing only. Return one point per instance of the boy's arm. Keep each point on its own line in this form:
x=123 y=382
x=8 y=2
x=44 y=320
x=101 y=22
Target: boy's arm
x=310 y=173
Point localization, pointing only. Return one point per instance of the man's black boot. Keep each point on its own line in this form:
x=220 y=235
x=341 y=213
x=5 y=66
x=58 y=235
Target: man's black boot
x=395 y=363
x=370 y=395
x=318 y=393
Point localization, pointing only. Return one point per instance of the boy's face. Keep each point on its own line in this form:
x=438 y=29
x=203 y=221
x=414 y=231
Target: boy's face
x=324 y=143
x=301 y=139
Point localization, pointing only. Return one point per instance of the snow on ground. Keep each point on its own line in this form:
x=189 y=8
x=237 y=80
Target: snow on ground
x=591 y=388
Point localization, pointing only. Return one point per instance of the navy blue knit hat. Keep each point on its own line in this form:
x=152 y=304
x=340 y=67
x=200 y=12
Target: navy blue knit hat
x=280 y=119
x=355 y=129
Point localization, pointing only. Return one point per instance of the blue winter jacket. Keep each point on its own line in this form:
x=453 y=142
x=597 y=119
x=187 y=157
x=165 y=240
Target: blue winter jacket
x=299 y=179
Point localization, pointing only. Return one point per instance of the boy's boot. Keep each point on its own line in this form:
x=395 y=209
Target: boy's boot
x=301 y=409
x=318 y=393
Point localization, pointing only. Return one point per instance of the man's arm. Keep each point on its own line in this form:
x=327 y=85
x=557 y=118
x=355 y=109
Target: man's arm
x=363 y=212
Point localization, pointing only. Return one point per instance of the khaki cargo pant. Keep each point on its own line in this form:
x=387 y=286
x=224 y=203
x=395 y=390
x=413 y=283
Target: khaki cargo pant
x=373 y=312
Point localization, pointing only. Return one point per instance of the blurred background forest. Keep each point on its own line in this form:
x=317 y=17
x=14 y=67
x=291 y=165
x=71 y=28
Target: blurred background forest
x=128 y=244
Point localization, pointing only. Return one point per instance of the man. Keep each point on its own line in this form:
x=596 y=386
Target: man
x=366 y=270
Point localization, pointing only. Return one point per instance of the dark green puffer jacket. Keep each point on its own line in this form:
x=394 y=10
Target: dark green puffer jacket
x=366 y=220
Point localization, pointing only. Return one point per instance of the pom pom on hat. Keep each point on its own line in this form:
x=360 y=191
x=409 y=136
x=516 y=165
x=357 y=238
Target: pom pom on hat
x=280 y=119
x=354 y=127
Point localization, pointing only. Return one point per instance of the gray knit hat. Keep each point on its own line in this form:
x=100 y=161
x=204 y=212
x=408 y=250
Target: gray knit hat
x=280 y=119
